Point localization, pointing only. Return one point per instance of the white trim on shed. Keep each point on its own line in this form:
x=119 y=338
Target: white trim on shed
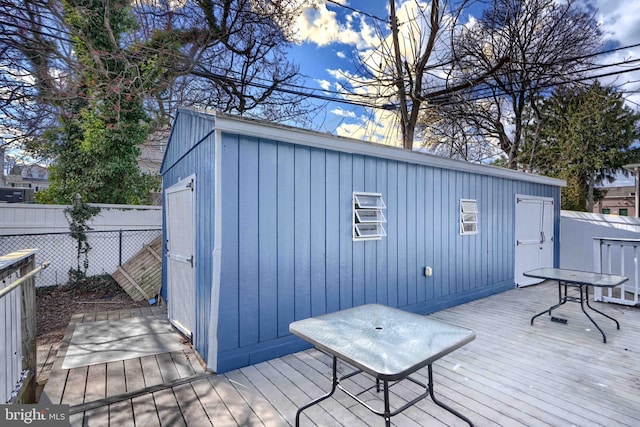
x=278 y=132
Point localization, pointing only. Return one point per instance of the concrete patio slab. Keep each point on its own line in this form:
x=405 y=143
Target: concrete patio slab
x=111 y=340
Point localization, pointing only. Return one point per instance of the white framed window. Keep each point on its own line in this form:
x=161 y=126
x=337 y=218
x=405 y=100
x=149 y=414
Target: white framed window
x=468 y=216
x=368 y=216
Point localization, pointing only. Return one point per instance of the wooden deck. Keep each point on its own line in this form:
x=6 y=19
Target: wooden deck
x=513 y=374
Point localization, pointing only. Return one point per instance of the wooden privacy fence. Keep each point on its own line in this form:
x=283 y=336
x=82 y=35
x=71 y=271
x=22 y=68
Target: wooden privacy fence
x=18 y=326
x=141 y=276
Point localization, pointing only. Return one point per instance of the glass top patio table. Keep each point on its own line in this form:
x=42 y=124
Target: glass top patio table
x=385 y=342
x=577 y=277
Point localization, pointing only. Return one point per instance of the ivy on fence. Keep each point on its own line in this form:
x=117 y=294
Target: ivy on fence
x=78 y=214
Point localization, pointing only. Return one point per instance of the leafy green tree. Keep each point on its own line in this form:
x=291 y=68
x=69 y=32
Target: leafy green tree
x=587 y=136
x=97 y=142
x=87 y=81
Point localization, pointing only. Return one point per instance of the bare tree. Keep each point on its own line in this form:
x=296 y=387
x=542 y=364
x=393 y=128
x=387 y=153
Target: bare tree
x=28 y=53
x=234 y=55
x=412 y=62
x=411 y=59
x=547 y=42
x=444 y=132
x=222 y=54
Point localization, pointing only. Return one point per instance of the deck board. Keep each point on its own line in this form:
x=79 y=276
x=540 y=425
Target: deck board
x=194 y=413
x=150 y=371
x=120 y=413
x=96 y=389
x=168 y=410
x=144 y=411
x=211 y=402
x=512 y=374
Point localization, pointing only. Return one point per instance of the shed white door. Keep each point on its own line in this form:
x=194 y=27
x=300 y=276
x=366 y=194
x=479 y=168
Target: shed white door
x=534 y=236
x=181 y=295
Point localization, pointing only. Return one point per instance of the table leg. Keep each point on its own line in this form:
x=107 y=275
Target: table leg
x=387 y=408
x=604 y=337
x=442 y=405
x=586 y=298
x=561 y=300
x=598 y=311
x=334 y=385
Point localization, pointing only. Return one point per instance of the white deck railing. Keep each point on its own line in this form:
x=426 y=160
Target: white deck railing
x=18 y=327
x=617 y=256
x=11 y=338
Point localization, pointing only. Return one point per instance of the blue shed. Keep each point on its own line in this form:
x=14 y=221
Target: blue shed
x=265 y=224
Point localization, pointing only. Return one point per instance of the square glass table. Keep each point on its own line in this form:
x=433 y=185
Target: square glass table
x=387 y=343
x=580 y=279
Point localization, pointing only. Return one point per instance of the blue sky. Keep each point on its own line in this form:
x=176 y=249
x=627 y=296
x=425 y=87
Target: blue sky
x=329 y=35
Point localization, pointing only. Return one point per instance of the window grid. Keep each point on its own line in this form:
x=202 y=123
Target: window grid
x=468 y=217
x=368 y=217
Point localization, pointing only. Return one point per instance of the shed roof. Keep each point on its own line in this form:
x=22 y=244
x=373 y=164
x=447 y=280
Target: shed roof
x=278 y=132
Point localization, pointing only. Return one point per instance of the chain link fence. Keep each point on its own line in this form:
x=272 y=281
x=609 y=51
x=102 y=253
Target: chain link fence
x=109 y=249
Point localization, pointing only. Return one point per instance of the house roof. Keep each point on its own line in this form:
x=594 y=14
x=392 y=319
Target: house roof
x=262 y=129
x=619 y=192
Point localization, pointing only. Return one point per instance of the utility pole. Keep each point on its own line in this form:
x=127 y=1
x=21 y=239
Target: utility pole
x=407 y=140
x=634 y=169
x=2 y=153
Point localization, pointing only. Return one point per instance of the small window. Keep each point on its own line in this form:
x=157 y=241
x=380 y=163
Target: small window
x=368 y=216
x=468 y=217
x=623 y=212
x=606 y=210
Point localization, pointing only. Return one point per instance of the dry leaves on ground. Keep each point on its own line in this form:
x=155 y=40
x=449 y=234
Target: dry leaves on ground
x=56 y=304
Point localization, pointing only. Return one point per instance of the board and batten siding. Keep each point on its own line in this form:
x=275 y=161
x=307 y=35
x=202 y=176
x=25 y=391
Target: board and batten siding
x=287 y=250
x=281 y=199
x=182 y=160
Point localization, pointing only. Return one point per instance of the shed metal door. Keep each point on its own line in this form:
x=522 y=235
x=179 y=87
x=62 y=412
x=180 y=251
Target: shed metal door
x=180 y=203
x=534 y=236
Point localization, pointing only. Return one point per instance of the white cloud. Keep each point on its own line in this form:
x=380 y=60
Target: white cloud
x=619 y=22
x=324 y=84
x=626 y=81
x=382 y=125
x=382 y=129
x=341 y=54
x=340 y=74
x=317 y=24
x=343 y=113
x=619 y=19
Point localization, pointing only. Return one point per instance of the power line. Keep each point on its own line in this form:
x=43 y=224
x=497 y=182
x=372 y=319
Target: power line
x=344 y=6
x=447 y=100
x=207 y=74
x=309 y=92
x=499 y=73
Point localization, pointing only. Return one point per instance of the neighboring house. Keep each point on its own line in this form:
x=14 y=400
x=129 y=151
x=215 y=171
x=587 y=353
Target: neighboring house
x=152 y=151
x=16 y=195
x=150 y=158
x=266 y=224
x=35 y=177
x=617 y=201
